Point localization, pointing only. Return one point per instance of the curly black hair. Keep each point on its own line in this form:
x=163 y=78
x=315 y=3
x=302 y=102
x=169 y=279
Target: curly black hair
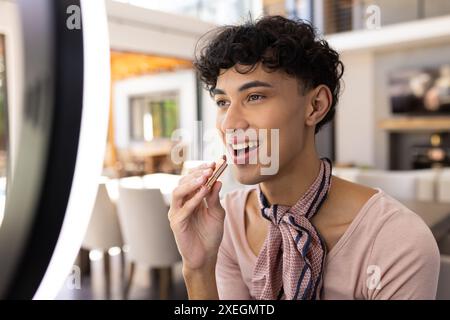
x=279 y=44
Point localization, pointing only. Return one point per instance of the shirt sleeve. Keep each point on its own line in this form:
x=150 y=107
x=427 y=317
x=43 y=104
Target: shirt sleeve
x=230 y=284
x=405 y=260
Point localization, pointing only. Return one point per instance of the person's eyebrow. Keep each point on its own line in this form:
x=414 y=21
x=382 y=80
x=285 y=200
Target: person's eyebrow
x=253 y=84
x=245 y=86
x=217 y=91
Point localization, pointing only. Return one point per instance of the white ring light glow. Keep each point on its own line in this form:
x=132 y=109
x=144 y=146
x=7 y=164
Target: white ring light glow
x=91 y=147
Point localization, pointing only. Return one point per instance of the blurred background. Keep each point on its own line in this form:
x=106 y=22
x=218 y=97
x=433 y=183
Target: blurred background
x=392 y=125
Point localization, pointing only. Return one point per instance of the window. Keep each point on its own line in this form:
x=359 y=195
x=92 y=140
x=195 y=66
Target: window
x=153 y=116
x=338 y=15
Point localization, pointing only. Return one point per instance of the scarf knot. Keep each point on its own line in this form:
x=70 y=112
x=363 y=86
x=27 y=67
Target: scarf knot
x=290 y=264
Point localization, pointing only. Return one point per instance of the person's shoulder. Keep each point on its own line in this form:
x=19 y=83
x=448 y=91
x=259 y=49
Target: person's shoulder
x=400 y=252
x=401 y=236
x=377 y=206
x=387 y=219
x=347 y=199
x=405 y=251
x=388 y=211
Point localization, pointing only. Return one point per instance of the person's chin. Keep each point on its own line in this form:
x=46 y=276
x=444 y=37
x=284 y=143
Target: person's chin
x=247 y=174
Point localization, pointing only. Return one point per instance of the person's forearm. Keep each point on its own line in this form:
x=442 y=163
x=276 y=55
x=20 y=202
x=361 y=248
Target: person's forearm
x=201 y=284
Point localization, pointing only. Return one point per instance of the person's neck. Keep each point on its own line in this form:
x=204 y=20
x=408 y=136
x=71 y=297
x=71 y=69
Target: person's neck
x=293 y=180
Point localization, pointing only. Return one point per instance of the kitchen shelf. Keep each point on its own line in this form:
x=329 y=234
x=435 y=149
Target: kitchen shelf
x=435 y=123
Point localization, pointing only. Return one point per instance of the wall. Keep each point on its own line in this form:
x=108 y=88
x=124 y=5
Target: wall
x=141 y=30
x=355 y=112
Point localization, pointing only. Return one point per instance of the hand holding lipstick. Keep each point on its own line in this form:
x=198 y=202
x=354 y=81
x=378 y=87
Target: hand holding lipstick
x=198 y=227
x=220 y=168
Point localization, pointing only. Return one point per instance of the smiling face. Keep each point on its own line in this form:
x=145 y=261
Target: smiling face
x=263 y=100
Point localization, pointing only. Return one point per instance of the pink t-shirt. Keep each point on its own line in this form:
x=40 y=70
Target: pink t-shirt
x=387 y=252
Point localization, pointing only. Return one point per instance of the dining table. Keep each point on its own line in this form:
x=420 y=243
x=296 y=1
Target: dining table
x=165 y=182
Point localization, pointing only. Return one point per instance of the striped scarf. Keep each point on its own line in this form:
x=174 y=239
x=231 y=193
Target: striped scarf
x=290 y=264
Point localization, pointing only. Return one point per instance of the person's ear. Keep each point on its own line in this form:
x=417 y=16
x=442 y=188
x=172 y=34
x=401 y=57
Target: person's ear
x=319 y=102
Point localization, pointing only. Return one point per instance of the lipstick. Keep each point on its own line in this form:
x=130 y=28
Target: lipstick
x=220 y=168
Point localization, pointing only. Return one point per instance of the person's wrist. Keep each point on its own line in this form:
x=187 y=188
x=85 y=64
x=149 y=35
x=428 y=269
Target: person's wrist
x=206 y=269
x=201 y=282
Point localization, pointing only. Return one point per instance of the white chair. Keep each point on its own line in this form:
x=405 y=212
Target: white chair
x=426 y=184
x=349 y=174
x=132 y=182
x=103 y=233
x=147 y=233
x=165 y=182
x=410 y=184
x=401 y=185
x=443 y=186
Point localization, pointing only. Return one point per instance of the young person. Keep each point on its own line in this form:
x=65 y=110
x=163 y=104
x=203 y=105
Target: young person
x=300 y=233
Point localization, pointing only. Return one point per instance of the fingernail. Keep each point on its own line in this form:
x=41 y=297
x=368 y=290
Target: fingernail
x=207 y=171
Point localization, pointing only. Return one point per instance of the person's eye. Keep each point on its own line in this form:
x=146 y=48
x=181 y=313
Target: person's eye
x=255 y=97
x=222 y=103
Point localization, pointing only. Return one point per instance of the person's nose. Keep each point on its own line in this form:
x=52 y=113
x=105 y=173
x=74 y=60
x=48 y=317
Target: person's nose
x=233 y=119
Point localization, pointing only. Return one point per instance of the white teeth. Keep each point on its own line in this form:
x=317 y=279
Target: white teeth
x=239 y=146
x=252 y=144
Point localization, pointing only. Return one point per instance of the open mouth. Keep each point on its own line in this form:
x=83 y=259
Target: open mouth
x=241 y=151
